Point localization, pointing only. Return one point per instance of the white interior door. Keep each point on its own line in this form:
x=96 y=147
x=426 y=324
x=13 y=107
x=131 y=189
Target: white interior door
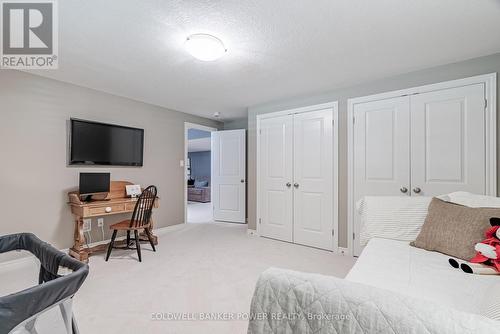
x=228 y=175
x=275 y=174
x=381 y=143
x=448 y=141
x=313 y=179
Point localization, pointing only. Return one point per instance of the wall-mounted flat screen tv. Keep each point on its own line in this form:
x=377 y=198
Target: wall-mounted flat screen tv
x=93 y=143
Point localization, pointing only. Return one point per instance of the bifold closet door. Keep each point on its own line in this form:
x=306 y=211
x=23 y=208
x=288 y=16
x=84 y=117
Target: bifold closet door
x=276 y=166
x=381 y=144
x=313 y=179
x=448 y=141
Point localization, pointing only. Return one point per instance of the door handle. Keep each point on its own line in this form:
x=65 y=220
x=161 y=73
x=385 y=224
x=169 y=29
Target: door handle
x=417 y=190
x=242 y=181
x=296 y=185
x=404 y=190
x=288 y=184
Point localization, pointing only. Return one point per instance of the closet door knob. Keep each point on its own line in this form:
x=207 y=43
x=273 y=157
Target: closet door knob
x=417 y=190
x=296 y=185
x=404 y=190
x=288 y=184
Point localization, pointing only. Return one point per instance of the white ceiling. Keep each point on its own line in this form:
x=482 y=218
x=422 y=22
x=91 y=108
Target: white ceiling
x=276 y=49
x=199 y=145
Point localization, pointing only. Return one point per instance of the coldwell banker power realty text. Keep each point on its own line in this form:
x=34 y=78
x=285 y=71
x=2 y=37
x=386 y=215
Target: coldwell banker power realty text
x=29 y=35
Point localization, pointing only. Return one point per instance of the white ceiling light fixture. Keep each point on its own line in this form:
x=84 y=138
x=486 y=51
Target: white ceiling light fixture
x=205 y=47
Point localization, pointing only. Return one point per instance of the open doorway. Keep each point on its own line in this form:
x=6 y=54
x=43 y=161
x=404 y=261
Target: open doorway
x=198 y=183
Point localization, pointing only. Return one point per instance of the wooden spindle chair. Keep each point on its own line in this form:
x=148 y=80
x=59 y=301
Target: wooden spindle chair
x=141 y=220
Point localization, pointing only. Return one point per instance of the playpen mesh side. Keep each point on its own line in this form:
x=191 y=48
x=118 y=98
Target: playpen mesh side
x=52 y=289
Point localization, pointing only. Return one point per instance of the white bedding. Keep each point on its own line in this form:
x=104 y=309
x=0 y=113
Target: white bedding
x=396 y=266
x=471 y=200
x=288 y=302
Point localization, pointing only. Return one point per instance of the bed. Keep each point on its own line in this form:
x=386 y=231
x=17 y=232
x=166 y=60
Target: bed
x=392 y=288
x=387 y=291
x=396 y=266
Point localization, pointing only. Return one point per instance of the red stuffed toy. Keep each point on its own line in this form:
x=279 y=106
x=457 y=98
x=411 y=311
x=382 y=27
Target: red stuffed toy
x=488 y=251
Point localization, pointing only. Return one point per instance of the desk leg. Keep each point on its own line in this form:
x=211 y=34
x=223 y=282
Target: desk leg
x=144 y=237
x=78 y=251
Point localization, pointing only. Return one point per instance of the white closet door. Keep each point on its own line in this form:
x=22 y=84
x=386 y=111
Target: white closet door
x=228 y=175
x=313 y=179
x=448 y=141
x=276 y=162
x=381 y=152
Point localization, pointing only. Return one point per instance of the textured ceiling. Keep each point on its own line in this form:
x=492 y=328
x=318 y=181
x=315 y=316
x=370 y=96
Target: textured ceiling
x=276 y=49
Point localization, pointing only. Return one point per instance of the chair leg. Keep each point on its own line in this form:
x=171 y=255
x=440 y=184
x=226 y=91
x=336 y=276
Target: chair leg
x=128 y=239
x=138 y=244
x=110 y=247
x=148 y=233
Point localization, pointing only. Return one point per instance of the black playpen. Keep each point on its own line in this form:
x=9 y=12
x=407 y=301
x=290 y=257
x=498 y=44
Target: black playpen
x=59 y=279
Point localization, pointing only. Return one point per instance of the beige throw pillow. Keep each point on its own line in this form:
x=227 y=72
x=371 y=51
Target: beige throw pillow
x=454 y=229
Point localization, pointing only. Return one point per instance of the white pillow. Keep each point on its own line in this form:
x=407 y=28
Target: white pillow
x=471 y=200
x=392 y=217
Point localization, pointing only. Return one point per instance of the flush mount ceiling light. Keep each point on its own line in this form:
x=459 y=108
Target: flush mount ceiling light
x=205 y=47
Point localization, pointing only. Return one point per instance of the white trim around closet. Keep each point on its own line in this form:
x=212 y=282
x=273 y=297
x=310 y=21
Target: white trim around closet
x=329 y=105
x=490 y=82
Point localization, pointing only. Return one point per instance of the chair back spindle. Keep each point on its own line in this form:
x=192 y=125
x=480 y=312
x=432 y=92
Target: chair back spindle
x=144 y=208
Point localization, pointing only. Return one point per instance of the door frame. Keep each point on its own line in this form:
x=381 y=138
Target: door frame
x=335 y=109
x=187 y=126
x=490 y=84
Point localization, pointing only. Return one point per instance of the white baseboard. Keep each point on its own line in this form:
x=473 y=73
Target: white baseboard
x=28 y=257
x=24 y=258
x=163 y=230
x=343 y=251
x=157 y=231
x=252 y=232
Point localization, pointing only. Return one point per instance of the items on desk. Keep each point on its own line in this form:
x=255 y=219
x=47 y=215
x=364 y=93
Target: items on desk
x=133 y=190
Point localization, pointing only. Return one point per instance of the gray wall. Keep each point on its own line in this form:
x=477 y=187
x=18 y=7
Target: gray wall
x=240 y=123
x=459 y=70
x=34 y=177
x=200 y=165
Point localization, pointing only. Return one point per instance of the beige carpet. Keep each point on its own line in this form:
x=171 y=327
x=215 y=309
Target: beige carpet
x=198 y=268
x=199 y=212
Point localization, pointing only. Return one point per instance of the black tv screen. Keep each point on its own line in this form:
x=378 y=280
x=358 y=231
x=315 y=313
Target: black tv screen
x=93 y=143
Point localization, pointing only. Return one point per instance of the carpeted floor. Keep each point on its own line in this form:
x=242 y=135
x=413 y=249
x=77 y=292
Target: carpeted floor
x=198 y=268
x=199 y=212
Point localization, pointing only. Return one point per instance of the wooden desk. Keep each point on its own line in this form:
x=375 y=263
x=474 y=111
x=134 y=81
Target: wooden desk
x=116 y=202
